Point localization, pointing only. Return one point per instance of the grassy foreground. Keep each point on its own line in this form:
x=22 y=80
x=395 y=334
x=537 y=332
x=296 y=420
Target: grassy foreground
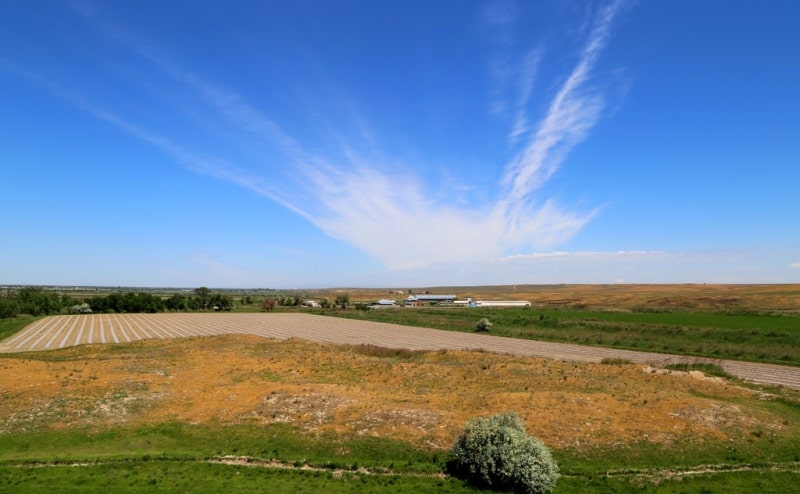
x=174 y=457
x=163 y=415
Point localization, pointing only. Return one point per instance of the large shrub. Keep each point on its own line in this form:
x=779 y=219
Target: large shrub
x=483 y=325
x=496 y=452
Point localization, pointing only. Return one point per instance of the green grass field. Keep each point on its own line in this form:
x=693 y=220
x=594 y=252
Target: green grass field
x=176 y=457
x=182 y=477
x=754 y=337
x=9 y=326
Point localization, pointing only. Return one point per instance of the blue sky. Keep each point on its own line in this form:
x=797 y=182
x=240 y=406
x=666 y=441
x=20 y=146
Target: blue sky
x=393 y=144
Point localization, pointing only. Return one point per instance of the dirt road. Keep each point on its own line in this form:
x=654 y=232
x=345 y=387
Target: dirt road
x=63 y=331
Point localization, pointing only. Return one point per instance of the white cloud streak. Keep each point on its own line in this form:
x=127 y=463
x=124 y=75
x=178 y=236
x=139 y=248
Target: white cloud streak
x=392 y=216
x=526 y=84
x=573 y=111
x=500 y=17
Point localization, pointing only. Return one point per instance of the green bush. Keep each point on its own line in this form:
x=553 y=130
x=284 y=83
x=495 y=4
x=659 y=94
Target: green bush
x=483 y=325
x=496 y=452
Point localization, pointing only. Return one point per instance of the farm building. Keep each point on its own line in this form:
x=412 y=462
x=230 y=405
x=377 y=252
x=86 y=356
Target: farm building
x=501 y=303
x=428 y=298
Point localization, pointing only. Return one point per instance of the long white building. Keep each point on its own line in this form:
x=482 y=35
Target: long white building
x=502 y=303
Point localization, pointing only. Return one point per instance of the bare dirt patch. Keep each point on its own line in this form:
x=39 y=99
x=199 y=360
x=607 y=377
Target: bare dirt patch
x=423 y=397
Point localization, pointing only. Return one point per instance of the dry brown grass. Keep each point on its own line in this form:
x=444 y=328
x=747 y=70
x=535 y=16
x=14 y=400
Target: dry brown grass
x=784 y=297
x=422 y=397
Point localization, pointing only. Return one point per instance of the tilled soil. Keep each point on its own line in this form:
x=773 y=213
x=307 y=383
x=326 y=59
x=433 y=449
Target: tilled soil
x=63 y=331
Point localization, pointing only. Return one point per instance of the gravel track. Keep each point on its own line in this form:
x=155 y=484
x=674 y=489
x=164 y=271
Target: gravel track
x=64 y=331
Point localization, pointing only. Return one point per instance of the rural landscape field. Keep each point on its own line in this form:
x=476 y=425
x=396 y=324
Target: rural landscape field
x=324 y=246
x=297 y=400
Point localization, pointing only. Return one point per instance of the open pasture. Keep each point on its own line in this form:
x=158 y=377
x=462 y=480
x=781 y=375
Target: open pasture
x=765 y=338
x=169 y=408
x=128 y=402
x=65 y=331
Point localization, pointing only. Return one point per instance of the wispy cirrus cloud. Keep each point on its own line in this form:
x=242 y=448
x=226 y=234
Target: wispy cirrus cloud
x=391 y=218
x=500 y=17
x=527 y=80
x=395 y=216
x=573 y=111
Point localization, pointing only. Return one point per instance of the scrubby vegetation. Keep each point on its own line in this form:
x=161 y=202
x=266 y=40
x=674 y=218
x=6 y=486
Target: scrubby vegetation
x=615 y=361
x=706 y=368
x=496 y=452
x=484 y=325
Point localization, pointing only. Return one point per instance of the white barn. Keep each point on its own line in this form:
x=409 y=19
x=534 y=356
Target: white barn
x=502 y=303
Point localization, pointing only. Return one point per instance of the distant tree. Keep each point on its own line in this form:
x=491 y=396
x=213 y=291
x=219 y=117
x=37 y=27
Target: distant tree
x=114 y=302
x=221 y=302
x=143 y=302
x=98 y=304
x=36 y=301
x=128 y=303
x=342 y=300
x=177 y=302
x=193 y=303
x=66 y=301
x=203 y=294
x=268 y=304
x=8 y=308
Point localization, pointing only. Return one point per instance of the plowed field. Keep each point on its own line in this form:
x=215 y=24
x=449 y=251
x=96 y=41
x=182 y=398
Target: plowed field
x=63 y=331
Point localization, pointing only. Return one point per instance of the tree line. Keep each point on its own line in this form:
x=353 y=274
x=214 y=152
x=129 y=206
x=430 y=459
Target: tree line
x=37 y=301
x=34 y=301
